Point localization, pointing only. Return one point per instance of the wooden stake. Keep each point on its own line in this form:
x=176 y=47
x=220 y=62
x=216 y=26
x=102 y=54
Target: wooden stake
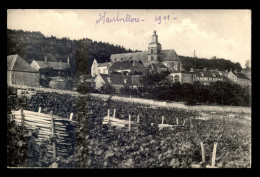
x=114 y=115
x=108 y=114
x=138 y=120
x=177 y=121
x=184 y=122
x=214 y=155
x=40 y=109
x=202 y=152
x=162 y=119
x=53 y=135
x=71 y=116
x=129 y=124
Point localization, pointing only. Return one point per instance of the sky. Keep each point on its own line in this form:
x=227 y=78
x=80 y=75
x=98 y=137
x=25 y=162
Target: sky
x=221 y=33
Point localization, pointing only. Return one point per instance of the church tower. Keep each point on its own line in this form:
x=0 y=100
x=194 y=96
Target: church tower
x=154 y=48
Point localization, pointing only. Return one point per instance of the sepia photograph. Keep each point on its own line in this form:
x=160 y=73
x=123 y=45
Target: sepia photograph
x=129 y=88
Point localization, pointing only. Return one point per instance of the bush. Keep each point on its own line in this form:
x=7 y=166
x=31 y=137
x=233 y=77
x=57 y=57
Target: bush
x=107 y=89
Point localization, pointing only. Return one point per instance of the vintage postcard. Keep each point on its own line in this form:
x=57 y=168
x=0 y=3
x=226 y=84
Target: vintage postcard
x=128 y=88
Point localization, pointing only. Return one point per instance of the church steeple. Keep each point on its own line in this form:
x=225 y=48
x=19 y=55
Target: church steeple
x=154 y=48
x=154 y=37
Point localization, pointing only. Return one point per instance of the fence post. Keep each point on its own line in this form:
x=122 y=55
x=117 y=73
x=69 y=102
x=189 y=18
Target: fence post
x=114 y=115
x=53 y=135
x=71 y=116
x=162 y=119
x=22 y=117
x=202 y=152
x=129 y=124
x=214 y=154
x=138 y=119
x=108 y=114
x=177 y=121
x=40 y=109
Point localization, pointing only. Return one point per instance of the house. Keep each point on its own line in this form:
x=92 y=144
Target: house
x=100 y=68
x=126 y=67
x=181 y=77
x=155 y=54
x=239 y=78
x=247 y=72
x=117 y=81
x=60 y=68
x=205 y=76
x=19 y=72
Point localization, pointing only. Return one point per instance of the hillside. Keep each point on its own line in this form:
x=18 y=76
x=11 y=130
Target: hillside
x=34 y=45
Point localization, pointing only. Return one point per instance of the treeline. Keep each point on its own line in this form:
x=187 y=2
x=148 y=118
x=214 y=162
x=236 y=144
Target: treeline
x=34 y=45
x=215 y=63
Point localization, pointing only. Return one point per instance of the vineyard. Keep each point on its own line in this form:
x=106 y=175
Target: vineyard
x=145 y=145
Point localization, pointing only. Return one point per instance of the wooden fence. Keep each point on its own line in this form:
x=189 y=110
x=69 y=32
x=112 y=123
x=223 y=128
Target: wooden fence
x=49 y=125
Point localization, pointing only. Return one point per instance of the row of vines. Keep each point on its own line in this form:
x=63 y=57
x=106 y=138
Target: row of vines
x=105 y=146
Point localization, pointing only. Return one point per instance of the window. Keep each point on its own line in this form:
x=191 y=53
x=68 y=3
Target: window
x=151 y=50
x=13 y=79
x=152 y=58
x=176 y=78
x=121 y=58
x=115 y=59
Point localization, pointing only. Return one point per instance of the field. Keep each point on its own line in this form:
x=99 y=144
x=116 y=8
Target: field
x=145 y=146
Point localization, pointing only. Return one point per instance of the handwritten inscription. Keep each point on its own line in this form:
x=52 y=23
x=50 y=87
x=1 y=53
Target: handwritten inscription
x=129 y=18
x=160 y=18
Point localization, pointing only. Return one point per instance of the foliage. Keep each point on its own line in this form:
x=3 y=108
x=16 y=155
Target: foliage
x=104 y=146
x=34 y=45
x=22 y=149
x=219 y=93
x=214 y=63
x=85 y=88
x=61 y=104
x=107 y=89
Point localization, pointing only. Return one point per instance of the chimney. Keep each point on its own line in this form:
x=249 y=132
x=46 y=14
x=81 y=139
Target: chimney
x=45 y=59
x=226 y=71
x=68 y=60
x=205 y=69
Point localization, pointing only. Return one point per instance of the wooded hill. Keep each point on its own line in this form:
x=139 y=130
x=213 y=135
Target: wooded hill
x=34 y=45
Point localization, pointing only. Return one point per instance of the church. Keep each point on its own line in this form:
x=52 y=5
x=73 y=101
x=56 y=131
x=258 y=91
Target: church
x=155 y=56
x=155 y=59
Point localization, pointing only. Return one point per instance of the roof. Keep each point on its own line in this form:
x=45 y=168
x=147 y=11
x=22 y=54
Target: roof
x=16 y=63
x=137 y=56
x=120 y=79
x=207 y=73
x=125 y=64
x=240 y=75
x=54 y=65
x=156 y=66
x=166 y=55
x=169 y=55
x=104 y=64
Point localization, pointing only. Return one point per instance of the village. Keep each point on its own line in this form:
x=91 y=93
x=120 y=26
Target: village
x=124 y=69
